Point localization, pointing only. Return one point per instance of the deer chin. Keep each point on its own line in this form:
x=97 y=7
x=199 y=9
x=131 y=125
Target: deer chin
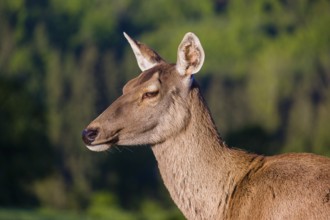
x=99 y=147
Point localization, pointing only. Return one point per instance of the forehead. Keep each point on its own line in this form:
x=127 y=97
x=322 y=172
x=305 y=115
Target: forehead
x=163 y=72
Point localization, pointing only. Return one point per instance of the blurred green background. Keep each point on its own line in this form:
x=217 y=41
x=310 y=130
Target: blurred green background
x=266 y=79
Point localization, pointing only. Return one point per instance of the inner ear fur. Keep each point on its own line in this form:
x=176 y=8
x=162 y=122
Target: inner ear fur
x=190 y=55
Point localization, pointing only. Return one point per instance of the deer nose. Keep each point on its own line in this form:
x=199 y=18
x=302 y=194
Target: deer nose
x=89 y=135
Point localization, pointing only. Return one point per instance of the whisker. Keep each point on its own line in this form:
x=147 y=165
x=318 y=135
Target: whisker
x=118 y=149
x=128 y=149
x=109 y=151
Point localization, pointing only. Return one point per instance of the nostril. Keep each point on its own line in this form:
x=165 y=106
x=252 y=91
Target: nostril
x=89 y=135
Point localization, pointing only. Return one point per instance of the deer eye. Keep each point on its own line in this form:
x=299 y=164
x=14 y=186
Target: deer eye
x=149 y=95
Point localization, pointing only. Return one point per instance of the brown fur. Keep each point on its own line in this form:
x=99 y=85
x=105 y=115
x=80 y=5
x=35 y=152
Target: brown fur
x=205 y=178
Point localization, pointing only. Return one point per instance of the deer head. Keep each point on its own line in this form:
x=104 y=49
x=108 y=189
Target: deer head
x=154 y=105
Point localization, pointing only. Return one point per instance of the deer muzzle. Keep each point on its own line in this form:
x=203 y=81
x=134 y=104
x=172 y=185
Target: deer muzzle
x=89 y=135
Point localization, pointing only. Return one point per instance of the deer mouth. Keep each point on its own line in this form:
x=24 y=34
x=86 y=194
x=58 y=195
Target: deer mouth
x=103 y=145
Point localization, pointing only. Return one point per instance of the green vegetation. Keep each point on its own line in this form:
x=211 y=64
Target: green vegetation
x=16 y=214
x=266 y=79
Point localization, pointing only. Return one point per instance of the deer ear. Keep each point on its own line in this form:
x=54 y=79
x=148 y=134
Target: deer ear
x=190 y=55
x=145 y=56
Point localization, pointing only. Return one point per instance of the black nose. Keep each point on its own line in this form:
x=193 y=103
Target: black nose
x=89 y=135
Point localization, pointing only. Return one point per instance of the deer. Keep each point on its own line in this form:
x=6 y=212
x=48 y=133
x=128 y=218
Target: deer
x=164 y=108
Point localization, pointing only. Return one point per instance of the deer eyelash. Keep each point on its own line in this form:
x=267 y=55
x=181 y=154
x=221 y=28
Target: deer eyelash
x=150 y=94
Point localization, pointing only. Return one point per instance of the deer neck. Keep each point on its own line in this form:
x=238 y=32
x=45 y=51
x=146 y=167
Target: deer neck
x=197 y=169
